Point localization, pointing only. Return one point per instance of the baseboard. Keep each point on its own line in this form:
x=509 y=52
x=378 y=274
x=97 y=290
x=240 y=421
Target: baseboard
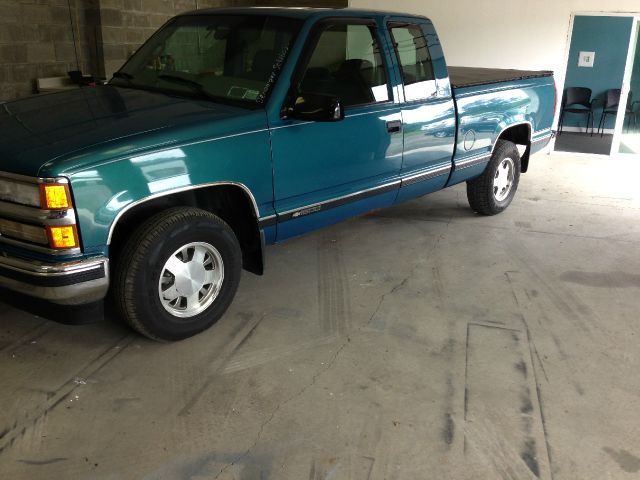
x=607 y=131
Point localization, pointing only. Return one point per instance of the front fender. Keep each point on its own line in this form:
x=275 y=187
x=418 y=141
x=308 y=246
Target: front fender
x=104 y=192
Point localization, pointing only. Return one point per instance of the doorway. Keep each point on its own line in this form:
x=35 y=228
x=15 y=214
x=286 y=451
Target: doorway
x=599 y=53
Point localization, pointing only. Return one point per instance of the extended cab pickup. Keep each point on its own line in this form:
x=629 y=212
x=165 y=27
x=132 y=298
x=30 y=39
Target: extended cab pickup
x=232 y=129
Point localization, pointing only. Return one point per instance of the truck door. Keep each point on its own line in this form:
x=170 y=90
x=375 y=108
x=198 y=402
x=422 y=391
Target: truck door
x=428 y=111
x=327 y=171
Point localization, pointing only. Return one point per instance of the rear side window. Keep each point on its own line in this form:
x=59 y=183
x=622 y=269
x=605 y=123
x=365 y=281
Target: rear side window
x=415 y=62
x=346 y=62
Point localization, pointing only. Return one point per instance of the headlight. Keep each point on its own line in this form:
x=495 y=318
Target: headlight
x=46 y=195
x=19 y=192
x=20 y=231
x=55 y=196
x=50 y=225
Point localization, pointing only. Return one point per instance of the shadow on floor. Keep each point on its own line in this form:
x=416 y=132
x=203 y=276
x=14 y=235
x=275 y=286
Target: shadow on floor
x=68 y=315
x=584 y=143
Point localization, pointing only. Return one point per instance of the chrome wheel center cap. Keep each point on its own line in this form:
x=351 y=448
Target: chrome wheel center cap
x=191 y=280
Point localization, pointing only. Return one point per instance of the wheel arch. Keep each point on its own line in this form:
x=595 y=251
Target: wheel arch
x=232 y=202
x=519 y=133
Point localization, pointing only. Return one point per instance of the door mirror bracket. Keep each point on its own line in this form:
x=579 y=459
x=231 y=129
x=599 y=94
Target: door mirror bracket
x=316 y=107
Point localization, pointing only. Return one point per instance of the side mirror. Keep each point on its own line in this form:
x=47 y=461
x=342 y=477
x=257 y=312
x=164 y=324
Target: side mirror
x=316 y=107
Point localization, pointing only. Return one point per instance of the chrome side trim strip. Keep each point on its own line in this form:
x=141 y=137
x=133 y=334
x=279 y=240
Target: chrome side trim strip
x=426 y=175
x=543 y=138
x=180 y=190
x=337 y=201
x=268 y=221
x=472 y=161
x=544 y=132
x=353 y=197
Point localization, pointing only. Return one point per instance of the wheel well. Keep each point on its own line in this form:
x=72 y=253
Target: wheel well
x=229 y=202
x=520 y=135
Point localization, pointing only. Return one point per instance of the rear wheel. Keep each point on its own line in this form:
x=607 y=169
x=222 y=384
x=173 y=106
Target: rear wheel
x=177 y=274
x=493 y=191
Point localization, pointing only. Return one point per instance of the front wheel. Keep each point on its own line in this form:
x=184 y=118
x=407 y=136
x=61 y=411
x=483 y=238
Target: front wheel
x=493 y=191
x=177 y=274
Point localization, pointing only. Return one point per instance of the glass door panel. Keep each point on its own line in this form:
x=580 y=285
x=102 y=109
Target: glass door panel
x=629 y=112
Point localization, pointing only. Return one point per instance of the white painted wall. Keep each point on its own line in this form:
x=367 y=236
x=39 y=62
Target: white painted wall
x=523 y=34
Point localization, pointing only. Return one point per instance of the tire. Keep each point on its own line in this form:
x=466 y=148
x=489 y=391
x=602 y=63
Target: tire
x=493 y=191
x=177 y=274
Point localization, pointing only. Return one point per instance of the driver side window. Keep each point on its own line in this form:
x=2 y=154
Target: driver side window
x=347 y=63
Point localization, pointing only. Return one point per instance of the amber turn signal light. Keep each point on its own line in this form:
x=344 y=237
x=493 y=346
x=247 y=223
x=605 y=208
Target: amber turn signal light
x=63 y=237
x=55 y=196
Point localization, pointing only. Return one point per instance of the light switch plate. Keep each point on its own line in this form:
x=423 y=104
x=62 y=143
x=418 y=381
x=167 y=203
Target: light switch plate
x=586 y=59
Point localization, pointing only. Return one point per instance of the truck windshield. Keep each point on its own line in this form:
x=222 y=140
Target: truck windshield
x=228 y=58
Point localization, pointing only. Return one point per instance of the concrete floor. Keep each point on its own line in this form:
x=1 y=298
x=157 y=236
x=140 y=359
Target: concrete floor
x=418 y=342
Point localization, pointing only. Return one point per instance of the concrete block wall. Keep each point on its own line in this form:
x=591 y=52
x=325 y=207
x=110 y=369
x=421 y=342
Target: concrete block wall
x=126 y=24
x=40 y=38
x=36 y=40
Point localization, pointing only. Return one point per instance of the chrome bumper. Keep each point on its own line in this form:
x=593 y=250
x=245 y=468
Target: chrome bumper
x=67 y=283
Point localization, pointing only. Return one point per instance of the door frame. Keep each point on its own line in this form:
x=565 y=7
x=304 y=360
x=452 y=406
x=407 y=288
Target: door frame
x=615 y=144
x=626 y=87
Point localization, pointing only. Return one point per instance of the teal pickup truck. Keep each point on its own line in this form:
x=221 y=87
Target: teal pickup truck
x=232 y=129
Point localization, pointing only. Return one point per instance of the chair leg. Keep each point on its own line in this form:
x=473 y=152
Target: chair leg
x=560 y=122
x=588 y=122
x=604 y=123
x=591 y=116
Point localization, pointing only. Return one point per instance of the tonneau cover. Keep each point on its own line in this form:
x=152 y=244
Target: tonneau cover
x=471 y=76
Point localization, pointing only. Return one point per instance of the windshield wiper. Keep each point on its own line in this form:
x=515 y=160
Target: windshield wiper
x=198 y=87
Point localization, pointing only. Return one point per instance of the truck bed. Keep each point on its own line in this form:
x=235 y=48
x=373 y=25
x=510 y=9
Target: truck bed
x=470 y=76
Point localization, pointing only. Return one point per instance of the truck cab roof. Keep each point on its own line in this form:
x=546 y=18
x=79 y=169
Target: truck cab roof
x=298 y=12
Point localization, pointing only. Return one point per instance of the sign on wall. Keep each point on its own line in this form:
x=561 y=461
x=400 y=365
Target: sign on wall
x=586 y=59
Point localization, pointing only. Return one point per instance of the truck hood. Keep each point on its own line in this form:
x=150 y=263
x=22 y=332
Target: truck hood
x=48 y=129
